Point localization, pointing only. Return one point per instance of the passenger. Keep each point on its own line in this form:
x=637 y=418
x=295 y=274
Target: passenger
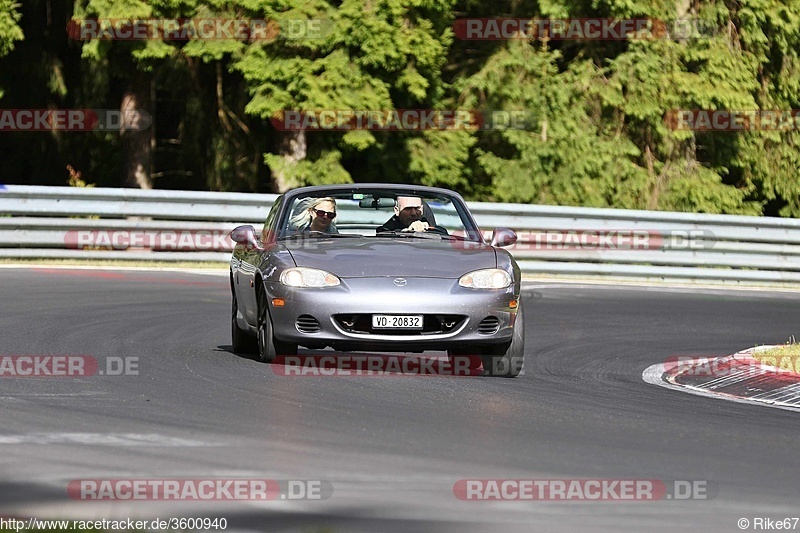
x=317 y=216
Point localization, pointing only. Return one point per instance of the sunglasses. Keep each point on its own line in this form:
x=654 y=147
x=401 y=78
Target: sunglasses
x=325 y=214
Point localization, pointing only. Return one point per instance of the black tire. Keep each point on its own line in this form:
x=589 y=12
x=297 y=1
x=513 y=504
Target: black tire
x=268 y=346
x=508 y=359
x=242 y=342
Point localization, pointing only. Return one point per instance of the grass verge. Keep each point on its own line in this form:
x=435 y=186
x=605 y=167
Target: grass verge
x=785 y=357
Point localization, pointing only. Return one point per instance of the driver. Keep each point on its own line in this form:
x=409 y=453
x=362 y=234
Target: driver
x=407 y=216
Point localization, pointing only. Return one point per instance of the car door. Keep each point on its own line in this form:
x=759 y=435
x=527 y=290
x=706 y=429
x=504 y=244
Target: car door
x=248 y=260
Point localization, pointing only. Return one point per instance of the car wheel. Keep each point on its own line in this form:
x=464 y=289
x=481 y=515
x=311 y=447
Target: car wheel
x=242 y=342
x=268 y=346
x=507 y=360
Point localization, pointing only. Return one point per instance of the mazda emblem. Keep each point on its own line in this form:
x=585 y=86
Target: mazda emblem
x=400 y=282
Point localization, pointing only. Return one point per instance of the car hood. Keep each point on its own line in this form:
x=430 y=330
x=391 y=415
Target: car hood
x=376 y=257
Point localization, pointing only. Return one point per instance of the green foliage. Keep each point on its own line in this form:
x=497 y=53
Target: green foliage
x=76 y=180
x=565 y=157
x=440 y=159
x=700 y=190
x=377 y=56
x=321 y=170
x=598 y=112
x=9 y=27
x=599 y=135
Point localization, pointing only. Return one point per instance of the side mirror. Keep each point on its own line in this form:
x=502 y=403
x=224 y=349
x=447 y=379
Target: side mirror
x=245 y=235
x=503 y=237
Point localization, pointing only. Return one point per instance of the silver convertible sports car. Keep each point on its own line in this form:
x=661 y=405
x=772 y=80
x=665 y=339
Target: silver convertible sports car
x=393 y=268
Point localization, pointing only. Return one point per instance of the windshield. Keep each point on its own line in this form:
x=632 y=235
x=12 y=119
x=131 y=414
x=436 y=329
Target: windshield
x=377 y=214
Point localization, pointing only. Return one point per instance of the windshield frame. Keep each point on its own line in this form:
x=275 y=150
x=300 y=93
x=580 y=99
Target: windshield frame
x=472 y=232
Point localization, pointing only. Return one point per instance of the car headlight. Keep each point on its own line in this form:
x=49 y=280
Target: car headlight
x=488 y=278
x=308 y=277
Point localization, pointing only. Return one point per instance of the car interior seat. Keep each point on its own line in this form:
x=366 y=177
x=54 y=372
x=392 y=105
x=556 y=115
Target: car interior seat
x=427 y=212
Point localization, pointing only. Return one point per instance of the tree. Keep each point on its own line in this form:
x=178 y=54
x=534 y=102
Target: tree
x=381 y=55
x=200 y=132
x=9 y=28
x=133 y=62
x=600 y=128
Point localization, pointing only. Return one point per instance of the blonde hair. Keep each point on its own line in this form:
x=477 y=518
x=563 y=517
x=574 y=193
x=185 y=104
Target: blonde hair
x=302 y=216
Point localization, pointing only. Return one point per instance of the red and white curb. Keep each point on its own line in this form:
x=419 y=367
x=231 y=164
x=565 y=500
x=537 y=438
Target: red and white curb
x=738 y=377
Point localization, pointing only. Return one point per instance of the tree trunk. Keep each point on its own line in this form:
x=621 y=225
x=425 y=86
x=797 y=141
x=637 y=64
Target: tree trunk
x=652 y=202
x=293 y=148
x=136 y=134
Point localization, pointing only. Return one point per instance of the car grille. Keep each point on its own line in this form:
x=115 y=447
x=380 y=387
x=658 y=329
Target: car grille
x=307 y=324
x=431 y=324
x=489 y=325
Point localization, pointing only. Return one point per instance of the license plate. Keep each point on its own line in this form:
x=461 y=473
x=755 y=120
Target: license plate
x=396 y=321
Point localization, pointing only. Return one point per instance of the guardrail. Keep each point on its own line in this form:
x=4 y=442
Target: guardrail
x=49 y=222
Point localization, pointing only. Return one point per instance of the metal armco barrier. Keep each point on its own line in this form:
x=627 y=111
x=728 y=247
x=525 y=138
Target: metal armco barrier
x=51 y=222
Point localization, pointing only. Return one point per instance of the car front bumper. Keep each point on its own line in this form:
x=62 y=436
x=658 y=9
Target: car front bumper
x=314 y=317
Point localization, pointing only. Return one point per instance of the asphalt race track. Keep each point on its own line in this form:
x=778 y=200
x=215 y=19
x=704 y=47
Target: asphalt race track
x=391 y=447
